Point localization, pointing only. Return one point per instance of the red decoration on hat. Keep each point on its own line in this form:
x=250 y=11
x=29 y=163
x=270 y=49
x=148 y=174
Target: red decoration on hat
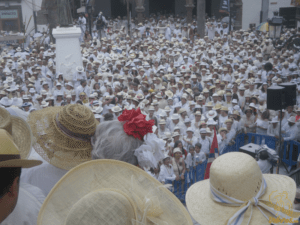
x=136 y=124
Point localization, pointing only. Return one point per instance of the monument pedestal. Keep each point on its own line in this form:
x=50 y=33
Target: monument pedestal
x=68 y=54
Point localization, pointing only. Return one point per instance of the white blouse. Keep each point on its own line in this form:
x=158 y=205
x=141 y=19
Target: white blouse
x=166 y=173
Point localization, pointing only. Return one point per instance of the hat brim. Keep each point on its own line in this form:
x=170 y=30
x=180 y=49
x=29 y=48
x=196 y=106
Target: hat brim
x=108 y=174
x=24 y=163
x=206 y=211
x=211 y=116
x=22 y=136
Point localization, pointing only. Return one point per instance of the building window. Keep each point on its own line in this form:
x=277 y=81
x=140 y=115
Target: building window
x=11 y=19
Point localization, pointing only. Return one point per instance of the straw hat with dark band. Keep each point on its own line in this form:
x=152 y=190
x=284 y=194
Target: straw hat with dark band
x=237 y=189
x=111 y=192
x=19 y=130
x=10 y=155
x=63 y=134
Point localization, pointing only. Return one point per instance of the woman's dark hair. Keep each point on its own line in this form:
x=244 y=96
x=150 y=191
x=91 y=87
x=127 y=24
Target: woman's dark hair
x=235 y=96
x=265 y=115
x=176 y=146
x=108 y=117
x=135 y=80
x=7 y=176
x=79 y=102
x=158 y=167
x=199 y=145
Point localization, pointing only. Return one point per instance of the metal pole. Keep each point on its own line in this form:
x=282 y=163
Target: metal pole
x=280 y=155
x=34 y=15
x=128 y=19
x=201 y=18
x=230 y=18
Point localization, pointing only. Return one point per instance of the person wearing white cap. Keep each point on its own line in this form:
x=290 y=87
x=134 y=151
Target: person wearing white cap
x=273 y=128
x=162 y=127
x=78 y=76
x=204 y=141
x=116 y=112
x=189 y=138
x=291 y=130
x=166 y=170
x=175 y=121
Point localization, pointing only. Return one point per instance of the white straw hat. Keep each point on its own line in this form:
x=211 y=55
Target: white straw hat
x=111 y=192
x=237 y=176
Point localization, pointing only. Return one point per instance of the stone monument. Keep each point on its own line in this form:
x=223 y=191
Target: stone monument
x=68 y=54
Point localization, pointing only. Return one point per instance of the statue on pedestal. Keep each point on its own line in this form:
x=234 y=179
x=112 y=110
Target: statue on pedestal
x=64 y=13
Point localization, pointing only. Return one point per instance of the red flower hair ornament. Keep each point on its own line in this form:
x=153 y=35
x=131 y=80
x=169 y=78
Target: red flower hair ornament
x=136 y=124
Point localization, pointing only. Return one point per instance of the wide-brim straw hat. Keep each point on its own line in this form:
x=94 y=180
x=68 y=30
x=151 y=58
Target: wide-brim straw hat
x=10 y=154
x=19 y=130
x=63 y=134
x=111 y=192
x=237 y=175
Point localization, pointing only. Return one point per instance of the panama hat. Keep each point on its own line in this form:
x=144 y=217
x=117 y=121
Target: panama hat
x=175 y=134
x=211 y=114
x=223 y=129
x=6 y=102
x=175 y=116
x=10 y=155
x=236 y=177
x=63 y=134
x=162 y=122
x=116 y=109
x=217 y=106
x=292 y=119
x=79 y=69
x=111 y=192
x=19 y=130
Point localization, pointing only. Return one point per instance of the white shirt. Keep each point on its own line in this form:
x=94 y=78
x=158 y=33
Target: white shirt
x=44 y=176
x=205 y=145
x=264 y=166
x=166 y=173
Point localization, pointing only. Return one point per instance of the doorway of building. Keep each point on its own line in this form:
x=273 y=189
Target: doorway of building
x=211 y=7
x=118 y=8
x=162 y=6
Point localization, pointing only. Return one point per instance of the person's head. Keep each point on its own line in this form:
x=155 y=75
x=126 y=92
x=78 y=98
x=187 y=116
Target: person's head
x=111 y=142
x=198 y=147
x=10 y=168
x=263 y=155
x=192 y=150
x=178 y=144
x=248 y=112
x=177 y=153
x=167 y=161
x=228 y=124
x=9 y=190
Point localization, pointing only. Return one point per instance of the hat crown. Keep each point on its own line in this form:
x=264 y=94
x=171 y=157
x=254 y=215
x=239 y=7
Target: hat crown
x=5 y=121
x=236 y=175
x=8 y=147
x=89 y=208
x=78 y=119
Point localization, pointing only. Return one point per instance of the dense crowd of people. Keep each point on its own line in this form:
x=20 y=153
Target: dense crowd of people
x=181 y=86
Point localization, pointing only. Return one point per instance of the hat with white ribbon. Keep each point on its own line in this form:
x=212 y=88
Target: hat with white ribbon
x=237 y=193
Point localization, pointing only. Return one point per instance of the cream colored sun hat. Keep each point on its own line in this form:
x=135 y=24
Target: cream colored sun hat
x=10 y=154
x=18 y=129
x=236 y=175
x=111 y=192
x=63 y=134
